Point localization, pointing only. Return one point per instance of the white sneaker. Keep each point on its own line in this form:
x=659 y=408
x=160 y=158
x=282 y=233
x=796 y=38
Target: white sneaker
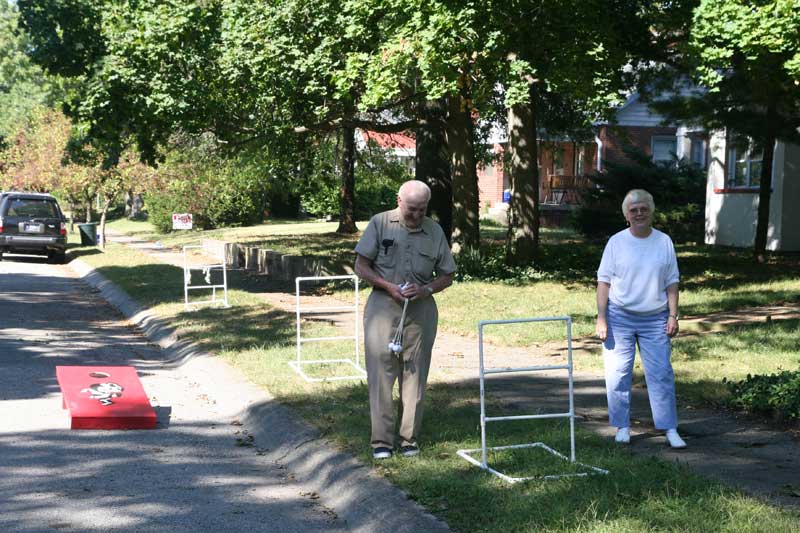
x=675 y=440
x=623 y=436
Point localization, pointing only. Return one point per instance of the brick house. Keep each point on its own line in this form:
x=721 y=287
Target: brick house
x=733 y=169
x=564 y=165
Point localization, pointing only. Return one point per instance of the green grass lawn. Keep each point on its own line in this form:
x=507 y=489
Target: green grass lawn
x=283 y=235
x=641 y=494
x=713 y=280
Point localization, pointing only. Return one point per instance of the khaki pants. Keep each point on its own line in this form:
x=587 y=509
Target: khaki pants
x=409 y=367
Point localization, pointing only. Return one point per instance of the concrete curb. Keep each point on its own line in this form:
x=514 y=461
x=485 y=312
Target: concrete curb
x=362 y=499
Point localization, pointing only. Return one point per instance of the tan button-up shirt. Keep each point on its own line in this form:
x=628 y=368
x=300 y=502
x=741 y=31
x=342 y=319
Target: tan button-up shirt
x=400 y=254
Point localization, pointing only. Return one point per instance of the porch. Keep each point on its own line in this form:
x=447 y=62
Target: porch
x=557 y=190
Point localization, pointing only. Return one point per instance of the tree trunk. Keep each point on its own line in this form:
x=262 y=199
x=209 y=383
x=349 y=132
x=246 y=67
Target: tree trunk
x=102 y=229
x=460 y=144
x=432 y=166
x=347 y=219
x=522 y=243
x=764 y=195
x=71 y=204
x=133 y=204
x=128 y=203
x=88 y=204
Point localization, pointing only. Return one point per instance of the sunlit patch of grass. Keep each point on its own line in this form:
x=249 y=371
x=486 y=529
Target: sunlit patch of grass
x=249 y=234
x=497 y=301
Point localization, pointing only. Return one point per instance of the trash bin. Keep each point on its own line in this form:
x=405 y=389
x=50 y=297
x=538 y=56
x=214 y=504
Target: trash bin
x=88 y=233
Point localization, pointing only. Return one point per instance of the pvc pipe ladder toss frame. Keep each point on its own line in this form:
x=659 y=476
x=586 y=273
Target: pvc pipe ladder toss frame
x=297 y=365
x=207 y=270
x=483 y=372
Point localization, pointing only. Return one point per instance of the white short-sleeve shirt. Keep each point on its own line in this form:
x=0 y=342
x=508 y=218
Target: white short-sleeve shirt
x=639 y=271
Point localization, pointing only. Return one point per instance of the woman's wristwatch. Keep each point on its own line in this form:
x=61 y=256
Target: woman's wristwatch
x=676 y=317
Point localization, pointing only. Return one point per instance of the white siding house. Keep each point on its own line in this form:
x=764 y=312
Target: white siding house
x=732 y=196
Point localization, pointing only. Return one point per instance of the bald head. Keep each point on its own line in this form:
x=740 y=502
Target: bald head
x=412 y=199
x=416 y=190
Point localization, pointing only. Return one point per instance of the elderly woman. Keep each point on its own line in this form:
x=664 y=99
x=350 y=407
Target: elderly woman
x=637 y=303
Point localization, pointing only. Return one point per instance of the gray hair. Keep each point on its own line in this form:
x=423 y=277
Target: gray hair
x=635 y=196
x=415 y=188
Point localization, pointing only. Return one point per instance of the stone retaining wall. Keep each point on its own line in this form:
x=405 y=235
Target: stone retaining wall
x=269 y=262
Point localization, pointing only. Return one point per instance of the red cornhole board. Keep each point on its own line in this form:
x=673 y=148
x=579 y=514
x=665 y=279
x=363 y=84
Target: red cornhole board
x=105 y=397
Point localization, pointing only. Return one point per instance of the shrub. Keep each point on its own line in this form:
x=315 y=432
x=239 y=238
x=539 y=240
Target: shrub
x=678 y=190
x=217 y=191
x=775 y=394
x=488 y=263
x=377 y=179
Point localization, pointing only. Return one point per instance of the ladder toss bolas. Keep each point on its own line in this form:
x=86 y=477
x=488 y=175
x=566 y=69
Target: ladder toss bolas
x=396 y=346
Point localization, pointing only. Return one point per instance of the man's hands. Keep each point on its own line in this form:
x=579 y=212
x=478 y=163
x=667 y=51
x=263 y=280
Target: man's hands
x=412 y=291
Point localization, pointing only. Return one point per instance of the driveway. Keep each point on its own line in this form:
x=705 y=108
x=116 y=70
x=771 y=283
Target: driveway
x=200 y=470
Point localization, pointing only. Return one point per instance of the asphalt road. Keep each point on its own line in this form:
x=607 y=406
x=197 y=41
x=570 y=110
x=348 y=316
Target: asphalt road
x=189 y=474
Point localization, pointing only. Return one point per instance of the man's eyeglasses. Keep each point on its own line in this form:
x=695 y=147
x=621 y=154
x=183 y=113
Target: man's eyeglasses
x=638 y=210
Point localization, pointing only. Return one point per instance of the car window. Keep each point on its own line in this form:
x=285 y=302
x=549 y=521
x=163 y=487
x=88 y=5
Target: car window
x=26 y=207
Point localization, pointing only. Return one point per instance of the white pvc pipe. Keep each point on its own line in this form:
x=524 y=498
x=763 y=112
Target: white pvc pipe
x=298 y=364
x=483 y=372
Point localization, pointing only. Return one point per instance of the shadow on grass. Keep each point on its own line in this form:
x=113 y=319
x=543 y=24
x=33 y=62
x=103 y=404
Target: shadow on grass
x=150 y=284
x=237 y=328
x=214 y=328
x=575 y=261
x=779 y=336
x=722 y=301
x=640 y=493
x=715 y=268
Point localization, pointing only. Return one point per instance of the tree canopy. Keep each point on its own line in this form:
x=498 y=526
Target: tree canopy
x=744 y=56
x=23 y=84
x=274 y=77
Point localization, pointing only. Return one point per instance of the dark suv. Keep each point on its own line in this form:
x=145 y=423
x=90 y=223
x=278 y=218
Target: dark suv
x=32 y=223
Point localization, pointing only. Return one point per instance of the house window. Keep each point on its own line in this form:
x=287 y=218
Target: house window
x=664 y=149
x=698 y=152
x=744 y=164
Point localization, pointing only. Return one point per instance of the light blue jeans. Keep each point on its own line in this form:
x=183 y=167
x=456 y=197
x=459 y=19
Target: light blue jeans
x=625 y=331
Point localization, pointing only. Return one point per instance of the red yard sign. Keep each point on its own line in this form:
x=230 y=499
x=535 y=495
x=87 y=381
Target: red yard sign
x=105 y=397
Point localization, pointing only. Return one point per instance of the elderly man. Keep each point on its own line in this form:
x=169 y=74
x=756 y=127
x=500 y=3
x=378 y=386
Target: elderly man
x=398 y=254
